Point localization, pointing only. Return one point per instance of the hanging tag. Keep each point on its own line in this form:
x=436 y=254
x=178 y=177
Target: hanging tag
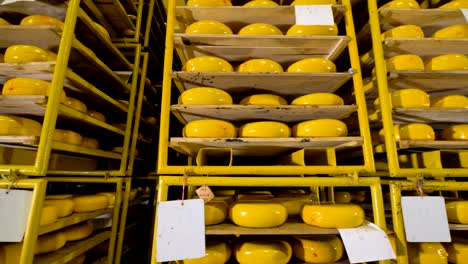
x=425 y=219
x=314 y=15
x=465 y=13
x=180 y=230
x=359 y=240
x=205 y=193
x=14 y=207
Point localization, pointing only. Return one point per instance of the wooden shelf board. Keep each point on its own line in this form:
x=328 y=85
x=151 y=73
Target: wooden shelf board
x=46 y=37
x=291 y=227
x=72 y=249
x=75 y=218
x=284 y=113
x=424 y=47
x=282 y=49
x=434 y=82
x=433 y=144
x=73 y=82
x=430 y=20
x=237 y=17
x=431 y=115
x=459 y=227
x=262 y=146
x=293 y=84
x=116 y=14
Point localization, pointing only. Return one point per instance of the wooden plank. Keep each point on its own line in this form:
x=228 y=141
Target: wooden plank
x=284 y=113
x=237 y=17
x=293 y=84
x=22 y=140
x=433 y=144
x=72 y=219
x=262 y=146
x=116 y=15
x=23 y=105
x=46 y=37
x=458 y=227
x=282 y=49
x=57 y=145
x=56 y=9
x=291 y=227
x=425 y=47
x=431 y=115
x=72 y=249
x=436 y=82
x=430 y=20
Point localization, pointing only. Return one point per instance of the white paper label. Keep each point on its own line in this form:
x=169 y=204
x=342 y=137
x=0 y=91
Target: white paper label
x=425 y=219
x=358 y=242
x=314 y=15
x=465 y=13
x=14 y=207
x=181 y=230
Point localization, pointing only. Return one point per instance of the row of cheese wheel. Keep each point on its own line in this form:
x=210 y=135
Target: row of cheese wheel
x=417 y=98
x=257 y=3
x=215 y=64
x=311 y=249
x=418 y=131
x=455 y=4
x=213 y=128
x=43 y=20
x=413 y=31
x=214 y=96
x=412 y=62
x=260 y=29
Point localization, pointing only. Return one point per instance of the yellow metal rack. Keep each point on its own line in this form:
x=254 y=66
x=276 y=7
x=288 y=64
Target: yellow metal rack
x=407 y=158
x=299 y=155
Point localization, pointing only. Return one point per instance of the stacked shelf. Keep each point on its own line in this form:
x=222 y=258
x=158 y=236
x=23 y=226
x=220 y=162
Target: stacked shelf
x=435 y=83
x=284 y=50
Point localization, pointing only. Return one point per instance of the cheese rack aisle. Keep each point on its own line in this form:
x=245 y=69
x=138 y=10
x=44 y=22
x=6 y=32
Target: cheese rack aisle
x=438 y=150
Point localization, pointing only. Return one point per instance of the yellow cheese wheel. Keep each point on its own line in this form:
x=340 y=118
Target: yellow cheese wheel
x=318 y=249
x=133 y=194
x=401 y=4
x=50 y=242
x=260 y=65
x=260 y=3
x=407 y=98
x=58 y=196
x=216 y=253
x=91 y=143
x=405 y=31
x=13 y=125
x=449 y=101
x=293 y=204
x=318 y=99
x=416 y=132
x=207 y=64
x=104 y=31
x=313 y=2
x=51 y=56
x=78 y=260
x=455 y=132
x=76 y=104
x=455 y=31
x=39 y=20
x=457 y=212
x=263 y=252
x=67 y=136
x=265 y=129
x=405 y=62
x=258 y=214
x=457 y=251
x=358 y=196
x=253 y=196
x=49 y=214
x=209 y=129
x=342 y=197
x=333 y=215
x=78 y=231
x=263 y=99
x=313 y=65
x=312 y=30
x=208 y=27
x=10 y=252
x=65 y=206
x=455 y=4
x=227 y=199
x=205 y=96
x=110 y=196
x=215 y=212
x=427 y=253
x=97 y=115
x=90 y=203
x=447 y=62
x=258 y=29
x=320 y=128
x=209 y=3
x=28 y=86
x=25 y=54
x=3 y=22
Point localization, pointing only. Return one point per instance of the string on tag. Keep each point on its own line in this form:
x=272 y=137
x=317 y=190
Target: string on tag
x=11 y=178
x=184 y=183
x=419 y=186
